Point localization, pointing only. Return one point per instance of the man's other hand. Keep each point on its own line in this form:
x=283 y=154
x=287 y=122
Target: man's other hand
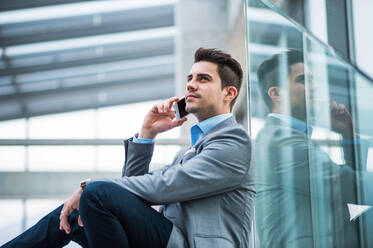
x=341 y=120
x=68 y=206
x=159 y=119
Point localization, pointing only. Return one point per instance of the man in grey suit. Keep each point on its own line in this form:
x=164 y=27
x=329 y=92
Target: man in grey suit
x=206 y=194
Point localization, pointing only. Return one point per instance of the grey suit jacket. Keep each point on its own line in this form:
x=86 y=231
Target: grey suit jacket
x=207 y=192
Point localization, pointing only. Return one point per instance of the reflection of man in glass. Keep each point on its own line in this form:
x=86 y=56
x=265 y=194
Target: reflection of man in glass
x=302 y=195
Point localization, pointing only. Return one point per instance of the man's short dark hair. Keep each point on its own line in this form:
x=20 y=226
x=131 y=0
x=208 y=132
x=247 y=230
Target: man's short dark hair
x=229 y=70
x=269 y=73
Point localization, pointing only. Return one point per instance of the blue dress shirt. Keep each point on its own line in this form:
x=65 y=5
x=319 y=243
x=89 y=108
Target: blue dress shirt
x=201 y=129
x=293 y=122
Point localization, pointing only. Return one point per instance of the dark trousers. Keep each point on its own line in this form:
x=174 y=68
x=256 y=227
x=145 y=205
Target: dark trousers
x=112 y=216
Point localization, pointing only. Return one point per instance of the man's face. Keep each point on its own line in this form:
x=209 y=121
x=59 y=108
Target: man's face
x=204 y=95
x=297 y=91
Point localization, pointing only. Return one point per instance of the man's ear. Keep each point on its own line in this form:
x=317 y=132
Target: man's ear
x=231 y=93
x=274 y=93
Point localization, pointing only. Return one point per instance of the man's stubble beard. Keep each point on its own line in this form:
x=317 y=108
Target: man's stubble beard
x=200 y=112
x=191 y=109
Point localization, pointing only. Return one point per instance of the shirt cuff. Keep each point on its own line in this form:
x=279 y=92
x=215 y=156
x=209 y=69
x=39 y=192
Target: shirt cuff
x=357 y=141
x=142 y=141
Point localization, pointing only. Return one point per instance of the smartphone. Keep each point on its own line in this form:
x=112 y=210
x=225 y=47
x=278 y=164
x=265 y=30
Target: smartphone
x=179 y=108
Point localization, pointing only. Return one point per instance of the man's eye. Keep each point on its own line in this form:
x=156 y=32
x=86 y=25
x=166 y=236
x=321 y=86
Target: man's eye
x=204 y=79
x=300 y=79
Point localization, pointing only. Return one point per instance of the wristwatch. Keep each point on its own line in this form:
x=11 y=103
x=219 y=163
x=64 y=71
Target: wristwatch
x=83 y=183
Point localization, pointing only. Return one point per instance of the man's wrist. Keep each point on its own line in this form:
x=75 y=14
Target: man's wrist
x=136 y=139
x=146 y=135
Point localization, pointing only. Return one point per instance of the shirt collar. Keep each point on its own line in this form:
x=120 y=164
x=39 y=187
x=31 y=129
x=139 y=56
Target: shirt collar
x=202 y=128
x=293 y=122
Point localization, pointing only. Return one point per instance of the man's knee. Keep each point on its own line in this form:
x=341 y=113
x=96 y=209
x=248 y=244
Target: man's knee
x=96 y=187
x=93 y=193
x=104 y=192
x=108 y=195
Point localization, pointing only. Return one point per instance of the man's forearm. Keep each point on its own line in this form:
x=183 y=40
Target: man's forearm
x=137 y=158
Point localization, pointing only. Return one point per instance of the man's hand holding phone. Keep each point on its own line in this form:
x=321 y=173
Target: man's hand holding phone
x=159 y=119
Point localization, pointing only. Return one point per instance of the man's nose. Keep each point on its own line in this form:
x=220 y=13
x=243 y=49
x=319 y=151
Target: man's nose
x=191 y=85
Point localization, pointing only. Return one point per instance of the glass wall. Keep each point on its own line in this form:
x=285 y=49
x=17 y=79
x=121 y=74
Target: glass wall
x=310 y=120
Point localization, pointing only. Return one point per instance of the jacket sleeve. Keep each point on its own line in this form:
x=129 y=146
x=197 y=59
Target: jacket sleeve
x=219 y=167
x=137 y=158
